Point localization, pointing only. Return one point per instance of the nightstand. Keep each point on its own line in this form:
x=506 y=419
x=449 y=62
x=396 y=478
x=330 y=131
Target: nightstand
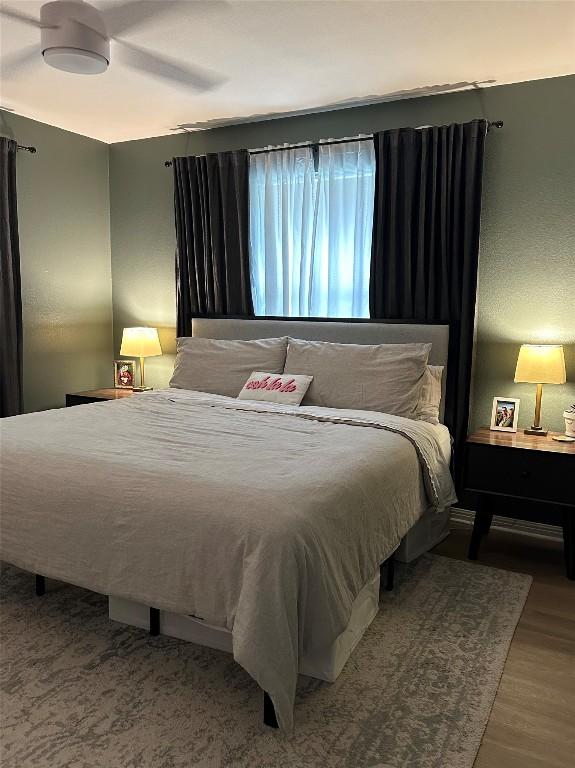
x=97 y=396
x=523 y=477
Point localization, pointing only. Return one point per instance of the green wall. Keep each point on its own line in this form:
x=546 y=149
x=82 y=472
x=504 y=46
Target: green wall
x=64 y=224
x=87 y=239
x=527 y=267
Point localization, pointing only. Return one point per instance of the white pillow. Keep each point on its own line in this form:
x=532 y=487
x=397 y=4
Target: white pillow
x=285 y=388
x=221 y=366
x=369 y=377
x=430 y=396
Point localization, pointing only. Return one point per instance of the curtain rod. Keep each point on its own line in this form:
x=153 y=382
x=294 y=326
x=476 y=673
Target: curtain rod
x=168 y=163
x=31 y=150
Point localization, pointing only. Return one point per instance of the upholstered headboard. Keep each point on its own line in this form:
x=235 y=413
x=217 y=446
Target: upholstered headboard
x=345 y=332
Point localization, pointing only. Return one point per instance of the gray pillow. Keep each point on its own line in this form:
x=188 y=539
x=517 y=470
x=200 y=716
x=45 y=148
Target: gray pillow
x=371 y=377
x=222 y=366
x=430 y=395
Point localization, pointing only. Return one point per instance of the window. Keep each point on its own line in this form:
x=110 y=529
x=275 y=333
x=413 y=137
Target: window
x=310 y=230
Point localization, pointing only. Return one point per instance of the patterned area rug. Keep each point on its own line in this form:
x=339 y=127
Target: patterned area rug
x=78 y=691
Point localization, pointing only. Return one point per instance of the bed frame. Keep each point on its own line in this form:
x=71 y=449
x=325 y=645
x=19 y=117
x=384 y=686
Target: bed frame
x=269 y=713
x=347 y=332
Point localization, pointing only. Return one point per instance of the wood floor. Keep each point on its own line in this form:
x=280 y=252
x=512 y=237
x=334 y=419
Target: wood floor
x=532 y=723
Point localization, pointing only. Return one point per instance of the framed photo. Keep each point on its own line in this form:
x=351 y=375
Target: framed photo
x=124 y=374
x=504 y=414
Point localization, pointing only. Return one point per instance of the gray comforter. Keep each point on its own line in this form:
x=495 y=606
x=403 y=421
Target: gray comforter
x=264 y=519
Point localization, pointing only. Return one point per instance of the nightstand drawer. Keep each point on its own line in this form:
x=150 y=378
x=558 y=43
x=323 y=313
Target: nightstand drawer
x=516 y=472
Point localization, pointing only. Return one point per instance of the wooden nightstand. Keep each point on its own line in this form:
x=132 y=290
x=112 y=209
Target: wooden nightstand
x=96 y=396
x=523 y=477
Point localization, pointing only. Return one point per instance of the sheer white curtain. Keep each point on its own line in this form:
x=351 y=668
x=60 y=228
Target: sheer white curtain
x=310 y=230
x=282 y=201
x=342 y=244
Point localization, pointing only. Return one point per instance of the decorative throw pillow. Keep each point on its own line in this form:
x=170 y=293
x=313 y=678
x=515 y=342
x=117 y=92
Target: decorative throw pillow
x=286 y=388
x=221 y=366
x=369 y=377
x=430 y=395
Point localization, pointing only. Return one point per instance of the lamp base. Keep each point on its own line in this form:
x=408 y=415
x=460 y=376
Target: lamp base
x=142 y=389
x=536 y=431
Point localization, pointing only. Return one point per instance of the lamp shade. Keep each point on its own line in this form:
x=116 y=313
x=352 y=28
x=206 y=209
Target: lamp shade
x=140 y=342
x=541 y=364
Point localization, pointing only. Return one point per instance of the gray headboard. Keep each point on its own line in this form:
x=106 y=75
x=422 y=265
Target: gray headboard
x=343 y=332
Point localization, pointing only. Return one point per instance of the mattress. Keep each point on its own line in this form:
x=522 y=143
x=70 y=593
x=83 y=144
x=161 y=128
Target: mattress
x=266 y=520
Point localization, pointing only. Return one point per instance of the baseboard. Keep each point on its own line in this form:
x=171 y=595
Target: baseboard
x=540 y=530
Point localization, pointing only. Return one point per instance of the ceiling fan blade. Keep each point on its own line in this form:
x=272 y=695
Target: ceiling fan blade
x=14 y=63
x=10 y=13
x=167 y=69
x=127 y=15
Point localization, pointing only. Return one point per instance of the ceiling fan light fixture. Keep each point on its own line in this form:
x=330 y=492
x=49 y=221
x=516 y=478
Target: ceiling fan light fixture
x=74 y=37
x=76 y=60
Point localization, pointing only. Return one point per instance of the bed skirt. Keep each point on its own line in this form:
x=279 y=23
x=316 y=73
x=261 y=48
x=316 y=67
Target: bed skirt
x=325 y=664
x=431 y=528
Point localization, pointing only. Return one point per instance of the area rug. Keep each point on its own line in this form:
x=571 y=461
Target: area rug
x=79 y=691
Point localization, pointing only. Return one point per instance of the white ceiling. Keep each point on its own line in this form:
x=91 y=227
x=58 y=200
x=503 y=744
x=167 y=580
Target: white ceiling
x=285 y=57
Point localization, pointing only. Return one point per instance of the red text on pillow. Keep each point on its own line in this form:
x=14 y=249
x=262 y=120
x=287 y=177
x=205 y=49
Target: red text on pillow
x=274 y=384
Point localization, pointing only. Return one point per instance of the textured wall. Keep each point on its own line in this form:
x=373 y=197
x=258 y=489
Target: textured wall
x=527 y=269
x=64 y=222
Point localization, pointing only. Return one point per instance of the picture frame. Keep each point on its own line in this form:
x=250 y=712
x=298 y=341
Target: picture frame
x=504 y=414
x=124 y=374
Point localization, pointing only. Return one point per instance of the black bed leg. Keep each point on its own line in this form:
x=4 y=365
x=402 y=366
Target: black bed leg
x=390 y=573
x=40 y=585
x=154 y=622
x=270 y=718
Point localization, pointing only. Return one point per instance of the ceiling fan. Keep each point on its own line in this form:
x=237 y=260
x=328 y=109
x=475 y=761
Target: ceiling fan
x=75 y=37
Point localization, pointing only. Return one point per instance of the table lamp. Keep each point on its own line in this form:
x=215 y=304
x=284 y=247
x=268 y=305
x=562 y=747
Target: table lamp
x=540 y=364
x=142 y=343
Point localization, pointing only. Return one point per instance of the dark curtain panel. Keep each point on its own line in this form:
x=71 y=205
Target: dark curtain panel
x=425 y=244
x=11 y=298
x=212 y=232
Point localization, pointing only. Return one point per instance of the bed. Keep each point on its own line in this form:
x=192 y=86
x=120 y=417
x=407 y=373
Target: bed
x=255 y=527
